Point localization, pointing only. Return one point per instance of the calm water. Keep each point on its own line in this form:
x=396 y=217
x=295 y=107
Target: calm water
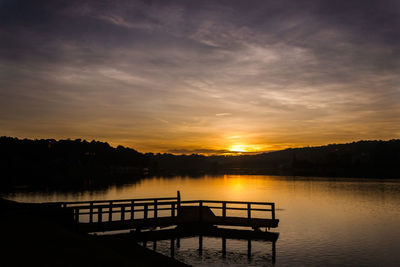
x=323 y=221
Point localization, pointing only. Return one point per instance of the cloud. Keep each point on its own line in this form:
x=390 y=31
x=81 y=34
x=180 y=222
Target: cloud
x=291 y=72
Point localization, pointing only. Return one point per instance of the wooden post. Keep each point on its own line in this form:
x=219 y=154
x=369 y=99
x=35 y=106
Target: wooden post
x=155 y=208
x=99 y=214
x=91 y=213
x=178 y=193
x=224 y=209
x=110 y=212
x=145 y=211
x=173 y=210
x=223 y=247
x=123 y=213
x=249 y=248
x=200 y=211
x=273 y=252
x=200 y=244
x=249 y=210
x=77 y=215
x=273 y=211
x=154 y=245
x=132 y=210
x=172 y=247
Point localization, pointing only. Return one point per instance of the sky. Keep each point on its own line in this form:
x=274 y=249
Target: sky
x=201 y=76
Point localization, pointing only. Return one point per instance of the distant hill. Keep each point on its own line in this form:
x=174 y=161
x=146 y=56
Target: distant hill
x=379 y=159
x=79 y=162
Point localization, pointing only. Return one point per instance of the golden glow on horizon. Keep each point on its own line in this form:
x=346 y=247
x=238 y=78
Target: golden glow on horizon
x=238 y=148
x=242 y=148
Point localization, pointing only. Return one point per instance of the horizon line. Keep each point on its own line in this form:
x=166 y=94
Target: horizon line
x=203 y=152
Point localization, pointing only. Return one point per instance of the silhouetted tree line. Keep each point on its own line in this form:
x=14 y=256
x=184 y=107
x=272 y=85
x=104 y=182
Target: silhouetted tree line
x=79 y=162
x=66 y=162
x=379 y=159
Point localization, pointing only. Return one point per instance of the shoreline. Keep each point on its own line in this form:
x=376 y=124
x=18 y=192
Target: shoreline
x=32 y=239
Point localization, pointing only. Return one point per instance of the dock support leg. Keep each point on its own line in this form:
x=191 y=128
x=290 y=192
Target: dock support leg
x=178 y=242
x=200 y=245
x=172 y=248
x=273 y=252
x=223 y=247
x=249 y=249
x=154 y=244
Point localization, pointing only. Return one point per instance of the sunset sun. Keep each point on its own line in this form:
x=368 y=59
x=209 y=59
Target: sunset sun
x=238 y=148
x=244 y=148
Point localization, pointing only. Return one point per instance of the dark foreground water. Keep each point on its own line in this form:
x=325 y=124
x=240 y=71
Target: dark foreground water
x=323 y=221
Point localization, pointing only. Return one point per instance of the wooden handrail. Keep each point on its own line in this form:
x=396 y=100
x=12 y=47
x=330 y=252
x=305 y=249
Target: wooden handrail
x=155 y=205
x=113 y=200
x=114 y=203
x=119 y=205
x=230 y=202
x=159 y=209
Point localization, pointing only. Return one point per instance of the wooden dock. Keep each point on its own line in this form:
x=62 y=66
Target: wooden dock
x=153 y=213
x=154 y=219
x=150 y=220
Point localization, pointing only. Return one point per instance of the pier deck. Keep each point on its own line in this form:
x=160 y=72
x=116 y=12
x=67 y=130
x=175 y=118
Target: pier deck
x=140 y=214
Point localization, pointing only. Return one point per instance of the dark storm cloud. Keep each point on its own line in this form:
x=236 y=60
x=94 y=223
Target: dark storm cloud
x=164 y=69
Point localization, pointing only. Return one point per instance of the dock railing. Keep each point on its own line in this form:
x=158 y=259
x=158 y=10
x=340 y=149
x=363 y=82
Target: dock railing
x=225 y=206
x=98 y=211
x=122 y=209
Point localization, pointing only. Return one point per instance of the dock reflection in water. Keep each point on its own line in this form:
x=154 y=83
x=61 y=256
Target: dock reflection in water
x=150 y=239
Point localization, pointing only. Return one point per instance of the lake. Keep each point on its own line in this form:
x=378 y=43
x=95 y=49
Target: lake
x=323 y=221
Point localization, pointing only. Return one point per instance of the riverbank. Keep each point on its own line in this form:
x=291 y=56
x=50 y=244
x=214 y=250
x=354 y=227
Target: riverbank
x=35 y=240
